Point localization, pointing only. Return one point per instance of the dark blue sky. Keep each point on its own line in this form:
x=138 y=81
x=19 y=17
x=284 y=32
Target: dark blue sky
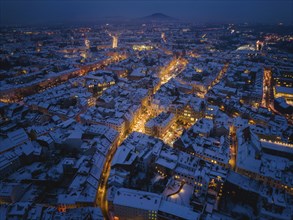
x=38 y=11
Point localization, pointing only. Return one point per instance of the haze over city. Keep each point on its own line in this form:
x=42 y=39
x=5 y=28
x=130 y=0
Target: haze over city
x=200 y=11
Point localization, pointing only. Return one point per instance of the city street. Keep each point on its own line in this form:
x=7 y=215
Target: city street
x=233 y=147
x=168 y=73
x=268 y=94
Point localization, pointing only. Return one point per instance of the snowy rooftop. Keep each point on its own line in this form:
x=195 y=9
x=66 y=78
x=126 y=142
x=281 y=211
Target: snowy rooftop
x=137 y=199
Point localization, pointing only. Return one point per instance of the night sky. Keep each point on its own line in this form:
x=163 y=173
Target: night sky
x=252 y=11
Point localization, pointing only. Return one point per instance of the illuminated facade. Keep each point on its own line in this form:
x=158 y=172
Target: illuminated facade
x=142 y=47
x=284 y=92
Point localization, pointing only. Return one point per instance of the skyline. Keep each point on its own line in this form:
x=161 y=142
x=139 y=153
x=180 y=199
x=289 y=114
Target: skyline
x=149 y=118
x=45 y=11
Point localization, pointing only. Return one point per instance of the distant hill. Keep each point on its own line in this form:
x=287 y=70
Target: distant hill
x=157 y=17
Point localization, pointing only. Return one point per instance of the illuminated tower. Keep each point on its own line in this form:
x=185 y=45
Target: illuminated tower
x=115 y=41
x=87 y=43
x=259 y=45
x=163 y=36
